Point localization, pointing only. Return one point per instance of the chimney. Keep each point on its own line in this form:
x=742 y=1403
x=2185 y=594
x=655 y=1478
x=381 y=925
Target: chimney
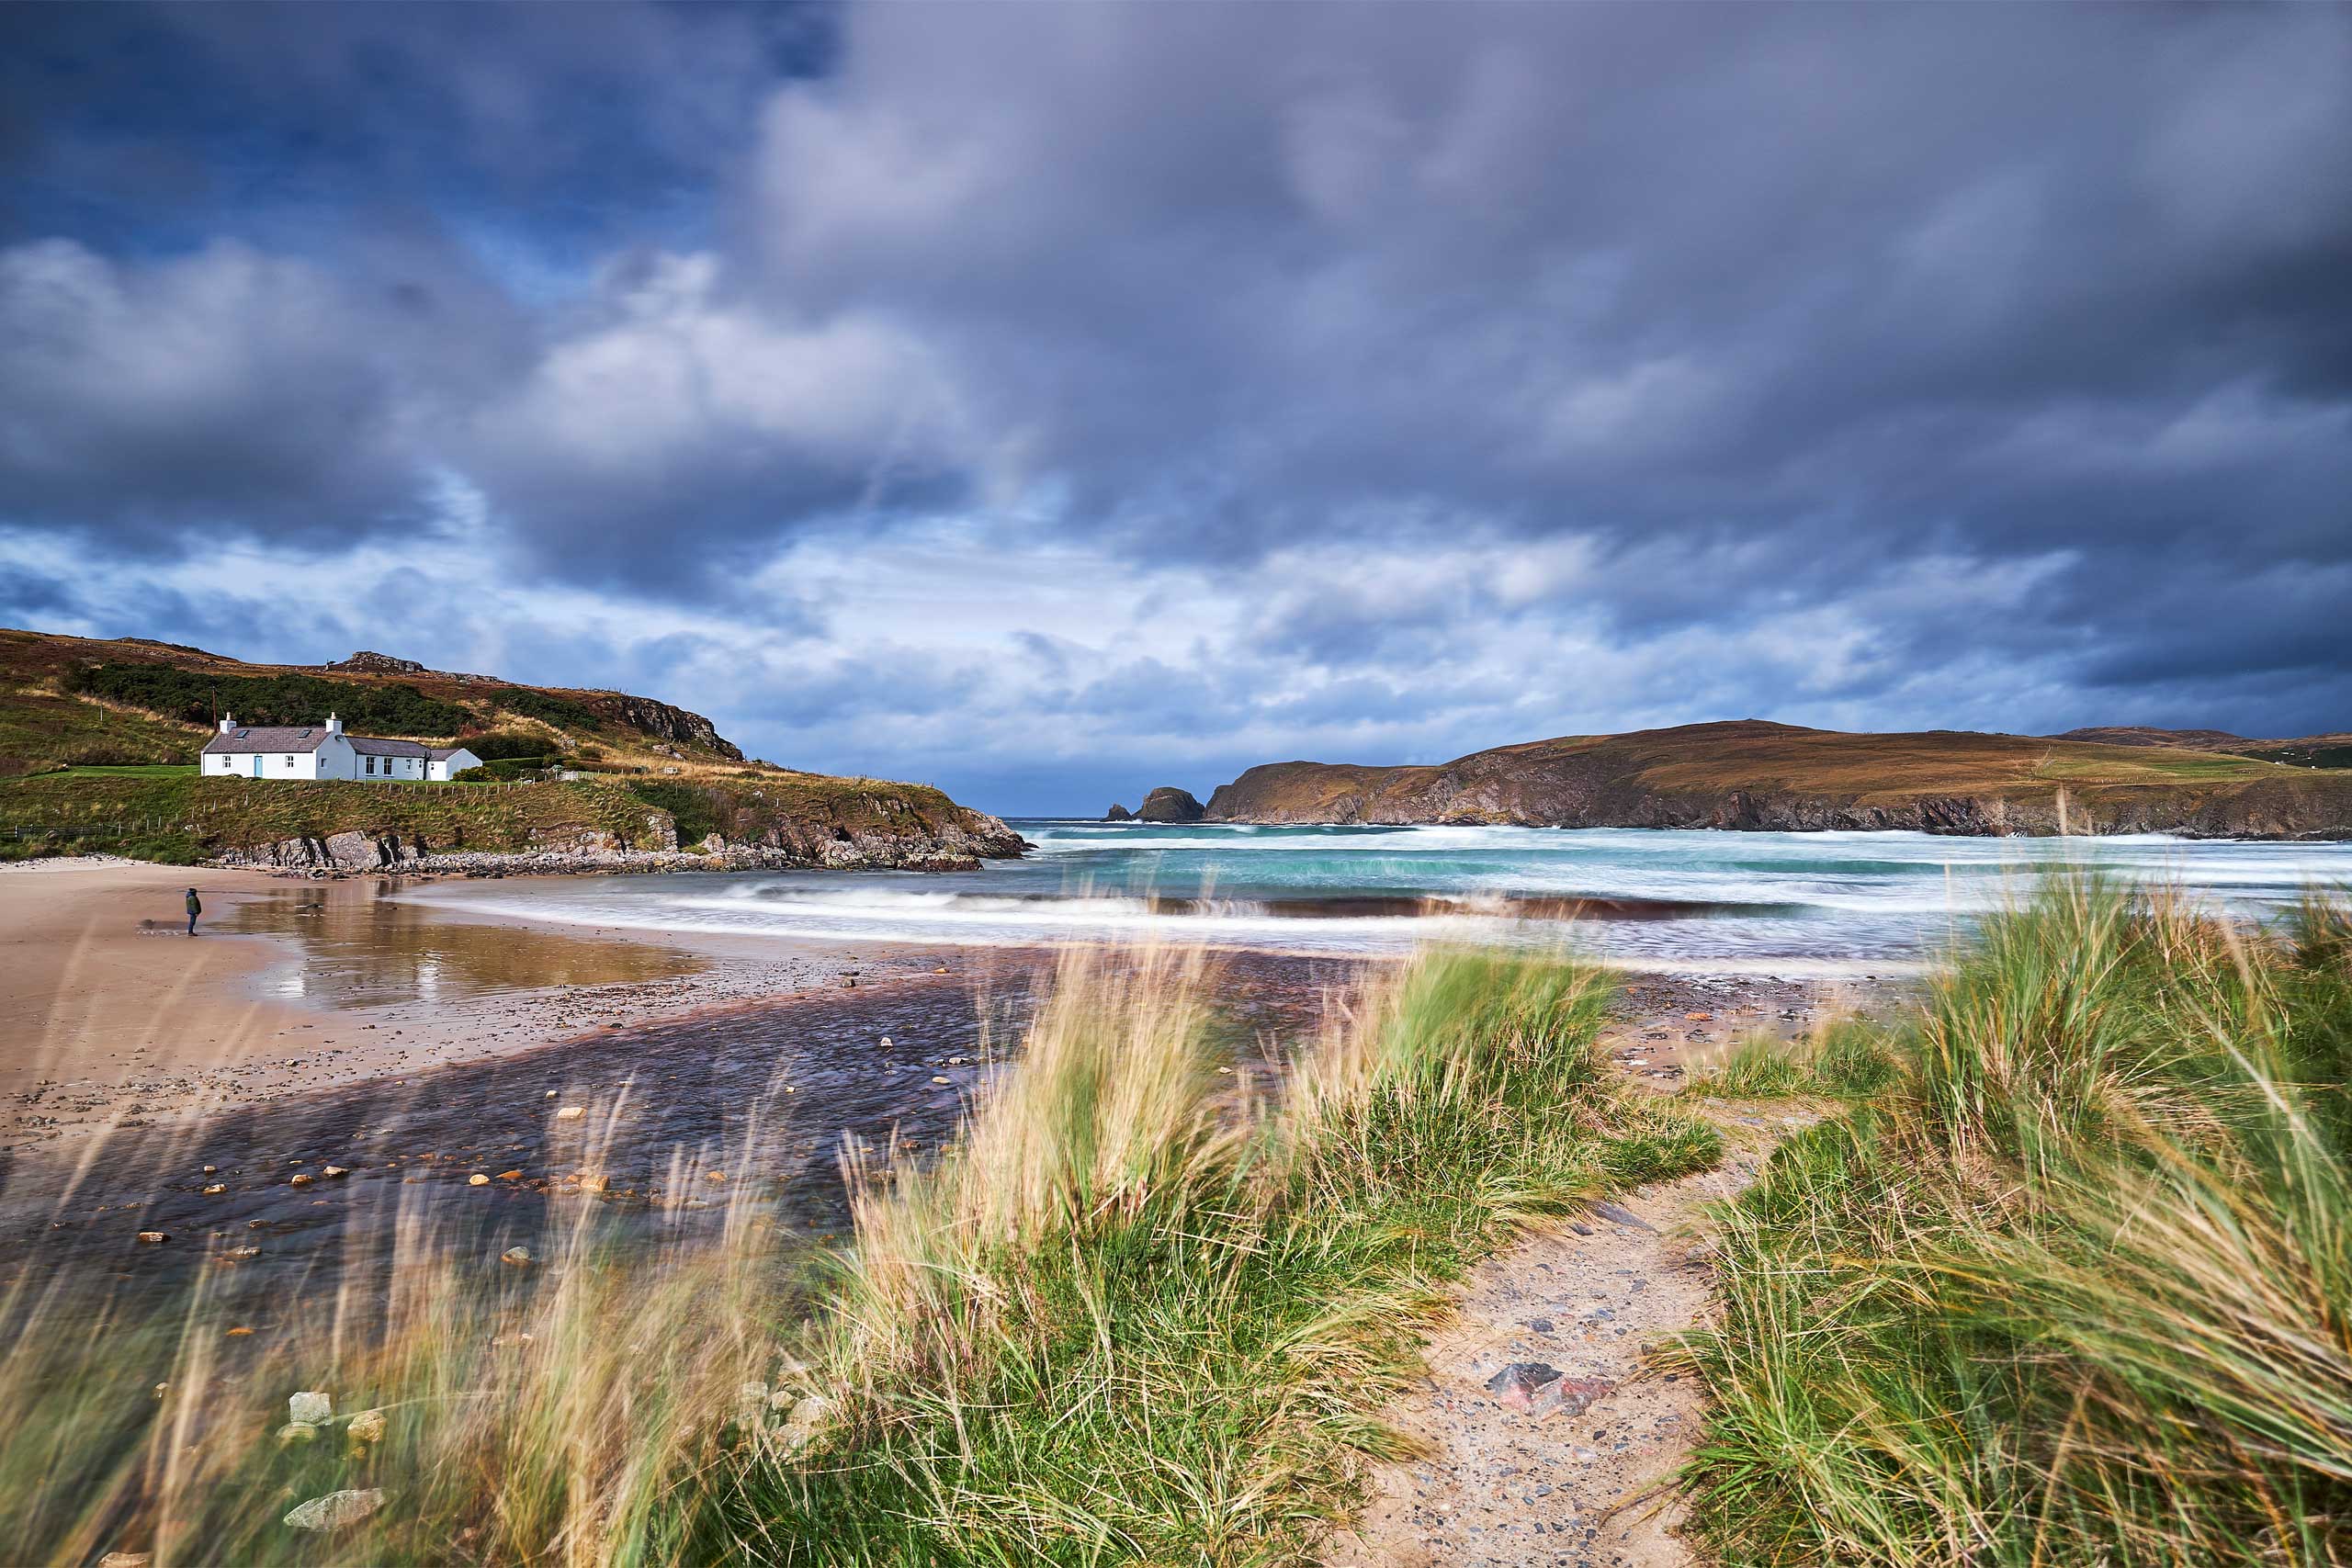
x=334 y=725
x=227 y=722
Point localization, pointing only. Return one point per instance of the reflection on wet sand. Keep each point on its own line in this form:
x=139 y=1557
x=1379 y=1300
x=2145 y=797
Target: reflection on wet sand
x=764 y=1094
x=359 y=949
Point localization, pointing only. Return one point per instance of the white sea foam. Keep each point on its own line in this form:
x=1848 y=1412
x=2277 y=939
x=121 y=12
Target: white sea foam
x=1702 y=898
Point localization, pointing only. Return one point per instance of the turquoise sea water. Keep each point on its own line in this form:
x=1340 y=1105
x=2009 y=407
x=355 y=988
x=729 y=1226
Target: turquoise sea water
x=1773 y=902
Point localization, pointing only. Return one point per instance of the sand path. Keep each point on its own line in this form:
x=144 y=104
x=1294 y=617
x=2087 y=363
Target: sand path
x=1503 y=1487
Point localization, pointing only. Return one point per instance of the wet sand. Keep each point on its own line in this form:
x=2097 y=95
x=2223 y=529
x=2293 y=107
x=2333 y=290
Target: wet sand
x=111 y=1015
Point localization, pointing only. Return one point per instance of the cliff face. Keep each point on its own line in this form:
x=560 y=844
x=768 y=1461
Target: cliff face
x=1752 y=775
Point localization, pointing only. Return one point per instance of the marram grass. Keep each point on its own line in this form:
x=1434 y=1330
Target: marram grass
x=2073 y=1286
x=1142 y=1311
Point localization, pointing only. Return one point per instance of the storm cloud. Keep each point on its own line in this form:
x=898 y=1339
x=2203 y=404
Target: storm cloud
x=1032 y=398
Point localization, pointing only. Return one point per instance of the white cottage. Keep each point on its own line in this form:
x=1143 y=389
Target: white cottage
x=324 y=751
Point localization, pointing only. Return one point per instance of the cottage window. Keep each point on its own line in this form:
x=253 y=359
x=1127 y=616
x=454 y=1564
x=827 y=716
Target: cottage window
x=289 y=762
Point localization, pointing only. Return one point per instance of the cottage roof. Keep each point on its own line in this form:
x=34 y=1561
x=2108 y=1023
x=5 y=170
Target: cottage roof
x=443 y=753
x=269 y=738
x=367 y=747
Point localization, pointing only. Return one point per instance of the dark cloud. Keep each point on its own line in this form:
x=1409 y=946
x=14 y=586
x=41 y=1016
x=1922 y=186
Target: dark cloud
x=1874 y=364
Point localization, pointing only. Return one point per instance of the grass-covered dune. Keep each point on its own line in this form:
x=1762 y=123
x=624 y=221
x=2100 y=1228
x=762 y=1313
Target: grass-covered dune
x=1755 y=775
x=2069 y=1282
x=173 y=815
x=1140 y=1311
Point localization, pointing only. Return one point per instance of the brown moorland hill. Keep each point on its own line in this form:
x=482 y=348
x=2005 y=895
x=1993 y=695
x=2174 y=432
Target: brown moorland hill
x=1755 y=775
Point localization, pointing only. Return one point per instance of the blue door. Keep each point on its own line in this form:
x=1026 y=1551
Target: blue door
x=256 y=764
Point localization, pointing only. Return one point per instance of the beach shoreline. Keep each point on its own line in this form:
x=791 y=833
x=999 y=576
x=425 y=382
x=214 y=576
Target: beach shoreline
x=111 y=1015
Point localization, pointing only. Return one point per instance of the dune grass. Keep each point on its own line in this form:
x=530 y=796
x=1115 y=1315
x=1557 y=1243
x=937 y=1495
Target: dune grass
x=2074 y=1285
x=1145 y=1309
x=1139 y=1315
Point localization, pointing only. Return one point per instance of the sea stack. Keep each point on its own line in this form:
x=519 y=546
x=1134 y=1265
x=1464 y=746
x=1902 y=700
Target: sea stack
x=1118 y=813
x=1168 y=804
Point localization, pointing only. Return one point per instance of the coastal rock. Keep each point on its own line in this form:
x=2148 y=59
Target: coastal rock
x=1118 y=813
x=367 y=1426
x=1168 y=804
x=336 y=1510
x=311 y=1409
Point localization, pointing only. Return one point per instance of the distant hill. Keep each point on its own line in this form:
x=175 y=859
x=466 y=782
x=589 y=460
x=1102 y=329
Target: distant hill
x=1755 y=775
x=2302 y=751
x=2141 y=734
x=131 y=700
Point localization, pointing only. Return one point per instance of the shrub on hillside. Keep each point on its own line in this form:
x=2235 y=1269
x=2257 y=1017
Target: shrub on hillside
x=193 y=697
x=561 y=712
x=507 y=745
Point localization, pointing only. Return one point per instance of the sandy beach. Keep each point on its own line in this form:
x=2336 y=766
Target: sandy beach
x=111 y=1015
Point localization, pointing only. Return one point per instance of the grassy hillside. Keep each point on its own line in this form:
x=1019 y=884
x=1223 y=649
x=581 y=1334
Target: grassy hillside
x=70 y=700
x=1757 y=774
x=98 y=741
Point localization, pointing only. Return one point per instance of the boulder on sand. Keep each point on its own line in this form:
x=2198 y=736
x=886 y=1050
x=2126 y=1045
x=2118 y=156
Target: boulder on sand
x=1168 y=804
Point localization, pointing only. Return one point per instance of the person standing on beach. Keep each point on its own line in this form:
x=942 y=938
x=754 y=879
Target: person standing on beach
x=194 y=908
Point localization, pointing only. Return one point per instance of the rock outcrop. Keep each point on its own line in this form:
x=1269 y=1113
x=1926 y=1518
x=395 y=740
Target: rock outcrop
x=1753 y=774
x=1118 y=813
x=1168 y=804
x=674 y=724
x=366 y=663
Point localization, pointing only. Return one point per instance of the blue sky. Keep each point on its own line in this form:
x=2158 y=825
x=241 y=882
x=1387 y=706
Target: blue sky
x=1053 y=402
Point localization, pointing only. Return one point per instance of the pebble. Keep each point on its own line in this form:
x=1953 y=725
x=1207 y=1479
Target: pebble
x=334 y=1510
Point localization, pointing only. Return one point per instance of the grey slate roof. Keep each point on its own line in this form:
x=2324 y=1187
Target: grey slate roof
x=443 y=753
x=269 y=738
x=366 y=746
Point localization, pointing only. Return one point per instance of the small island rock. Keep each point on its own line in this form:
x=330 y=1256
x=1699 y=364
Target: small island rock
x=1168 y=804
x=1118 y=813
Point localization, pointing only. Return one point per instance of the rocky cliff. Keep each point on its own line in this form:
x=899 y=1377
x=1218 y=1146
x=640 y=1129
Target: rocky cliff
x=1753 y=774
